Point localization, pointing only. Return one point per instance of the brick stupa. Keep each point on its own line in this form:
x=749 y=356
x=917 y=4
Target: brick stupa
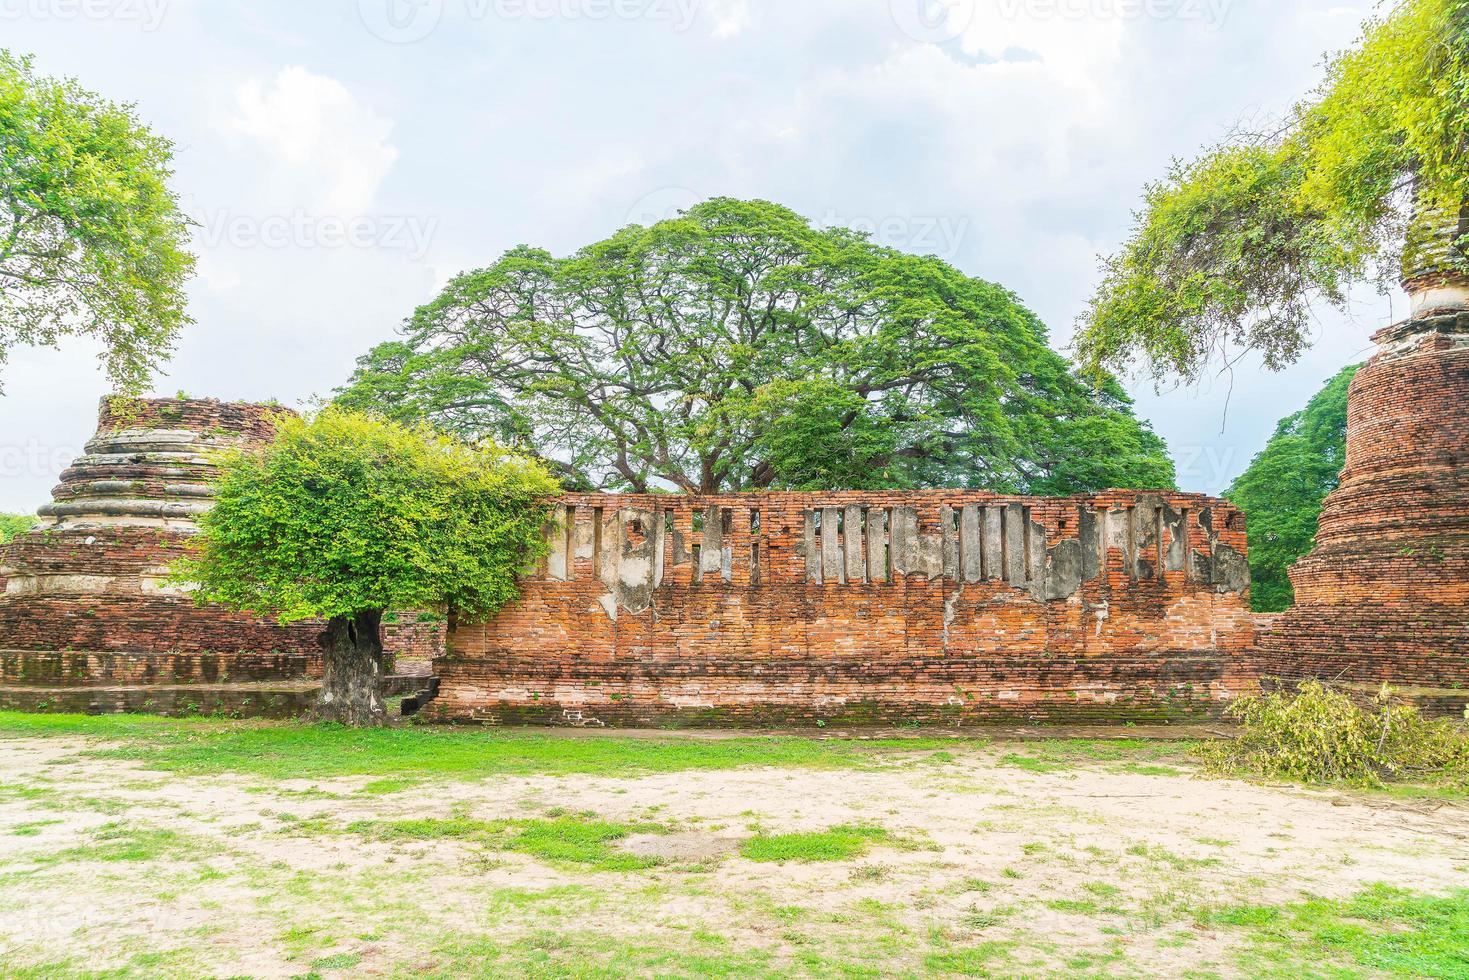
x=1384 y=597
x=88 y=618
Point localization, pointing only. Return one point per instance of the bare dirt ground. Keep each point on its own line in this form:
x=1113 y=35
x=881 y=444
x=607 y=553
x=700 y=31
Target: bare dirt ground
x=976 y=859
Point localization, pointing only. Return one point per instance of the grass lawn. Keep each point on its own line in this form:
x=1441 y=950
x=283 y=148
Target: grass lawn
x=135 y=846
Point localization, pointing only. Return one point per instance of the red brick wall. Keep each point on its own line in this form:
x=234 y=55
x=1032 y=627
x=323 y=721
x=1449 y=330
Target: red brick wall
x=933 y=607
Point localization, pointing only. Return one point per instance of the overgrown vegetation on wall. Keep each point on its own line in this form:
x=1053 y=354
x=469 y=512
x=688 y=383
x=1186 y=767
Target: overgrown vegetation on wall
x=1282 y=491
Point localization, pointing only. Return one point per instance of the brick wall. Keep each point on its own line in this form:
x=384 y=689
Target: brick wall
x=933 y=607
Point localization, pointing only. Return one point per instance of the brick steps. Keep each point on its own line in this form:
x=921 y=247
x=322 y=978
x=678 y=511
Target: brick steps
x=244 y=700
x=90 y=668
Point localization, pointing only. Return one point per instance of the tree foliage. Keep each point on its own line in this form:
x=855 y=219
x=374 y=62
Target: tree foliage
x=92 y=241
x=1283 y=489
x=1231 y=250
x=346 y=513
x=737 y=347
x=14 y=524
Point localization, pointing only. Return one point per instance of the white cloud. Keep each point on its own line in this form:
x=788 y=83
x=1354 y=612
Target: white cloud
x=730 y=18
x=329 y=151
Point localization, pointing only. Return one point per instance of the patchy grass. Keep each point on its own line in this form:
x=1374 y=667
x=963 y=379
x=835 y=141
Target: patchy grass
x=1138 y=756
x=837 y=844
x=572 y=840
x=295 y=751
x=1385 y=930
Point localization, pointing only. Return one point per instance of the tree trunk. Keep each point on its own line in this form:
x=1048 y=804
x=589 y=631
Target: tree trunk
x=352 y=682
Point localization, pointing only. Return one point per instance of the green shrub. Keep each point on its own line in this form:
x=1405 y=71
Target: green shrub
x=14 y=524
x=1320 y=735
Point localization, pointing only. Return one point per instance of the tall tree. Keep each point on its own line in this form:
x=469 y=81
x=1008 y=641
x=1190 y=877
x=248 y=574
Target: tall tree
x=92 y=241
x=1232 y=249
x=345 y=516
x=1284 y=487
x=737 y=347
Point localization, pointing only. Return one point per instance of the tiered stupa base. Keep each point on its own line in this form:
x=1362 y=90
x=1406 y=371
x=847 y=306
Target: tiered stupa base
x=89 y=620
x=1384 y=597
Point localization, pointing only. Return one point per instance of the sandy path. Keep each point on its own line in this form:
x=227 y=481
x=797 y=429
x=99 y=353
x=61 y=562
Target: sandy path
x=262 y=880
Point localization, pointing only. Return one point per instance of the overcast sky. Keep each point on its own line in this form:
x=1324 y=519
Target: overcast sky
x=346 y=157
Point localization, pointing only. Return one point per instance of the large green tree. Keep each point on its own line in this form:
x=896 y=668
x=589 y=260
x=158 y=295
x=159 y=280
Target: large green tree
x=1284 y=487
x=737 y=348
x=92 y=240
x=1231 y=250
x=345 y=516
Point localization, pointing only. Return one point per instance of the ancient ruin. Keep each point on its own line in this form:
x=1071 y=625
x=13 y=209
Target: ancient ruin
x=866 y=608
x=89 y=620
x=1384 y=597
x=933 y=607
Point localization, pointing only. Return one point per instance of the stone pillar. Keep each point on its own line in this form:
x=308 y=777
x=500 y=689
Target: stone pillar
x=1384 y=597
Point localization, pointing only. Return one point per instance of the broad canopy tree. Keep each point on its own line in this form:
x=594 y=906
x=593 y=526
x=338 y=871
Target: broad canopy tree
x=1285 y=486
x=345 y=516
x=738 y=348
x=92 y=240
x=1361 y=182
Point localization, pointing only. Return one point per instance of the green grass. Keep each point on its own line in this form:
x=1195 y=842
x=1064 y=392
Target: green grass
x=837 y=844
x=1384 y=930
x=569 y=840
x=1138 y=756
x=293 y=751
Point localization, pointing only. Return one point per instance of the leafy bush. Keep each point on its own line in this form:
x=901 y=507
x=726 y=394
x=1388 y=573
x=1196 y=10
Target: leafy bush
x=14 y=524
x=1320 y=735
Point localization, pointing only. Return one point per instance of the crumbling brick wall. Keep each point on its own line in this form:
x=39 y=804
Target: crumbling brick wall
x=931 y=607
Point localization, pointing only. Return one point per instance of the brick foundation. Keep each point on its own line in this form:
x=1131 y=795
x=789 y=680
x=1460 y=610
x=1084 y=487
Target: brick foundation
x=939 y=607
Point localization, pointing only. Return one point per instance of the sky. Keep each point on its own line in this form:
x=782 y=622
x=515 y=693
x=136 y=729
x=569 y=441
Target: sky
x=345 y=158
